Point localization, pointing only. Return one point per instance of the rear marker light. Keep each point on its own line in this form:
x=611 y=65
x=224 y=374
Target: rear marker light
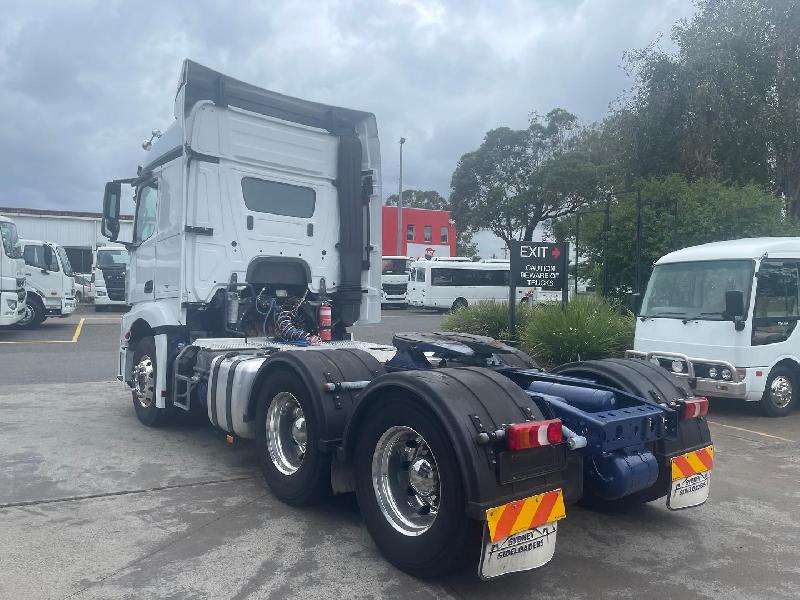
x=694 y=407
x=534 y=435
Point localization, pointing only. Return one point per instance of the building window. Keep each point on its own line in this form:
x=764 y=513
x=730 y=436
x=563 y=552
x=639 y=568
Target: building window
x=427 y=233
x=410 y=232
x=444 y=235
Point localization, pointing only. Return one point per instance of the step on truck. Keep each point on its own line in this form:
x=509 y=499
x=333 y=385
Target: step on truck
x=49 y=283
x=256 y=245
x=12 y=276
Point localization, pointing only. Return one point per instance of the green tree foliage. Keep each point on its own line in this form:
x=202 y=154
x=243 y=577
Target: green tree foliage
x=429 y=199
x=707 y=211
x=519 y=178
x=725 y=105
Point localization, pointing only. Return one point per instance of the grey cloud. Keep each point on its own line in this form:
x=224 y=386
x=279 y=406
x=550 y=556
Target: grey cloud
x=81 y=84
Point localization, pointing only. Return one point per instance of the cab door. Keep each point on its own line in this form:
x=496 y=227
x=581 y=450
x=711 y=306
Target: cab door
x=41 y=275
x=142 y=267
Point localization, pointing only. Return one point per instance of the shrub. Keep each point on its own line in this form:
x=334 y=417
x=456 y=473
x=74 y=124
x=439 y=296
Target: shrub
x=486 y=318
x=589 y=328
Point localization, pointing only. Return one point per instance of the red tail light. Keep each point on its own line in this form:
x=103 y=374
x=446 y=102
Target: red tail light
x=694 y=407
x=533 y=435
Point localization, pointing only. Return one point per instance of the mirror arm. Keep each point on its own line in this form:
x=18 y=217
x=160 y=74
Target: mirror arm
x=738 y=323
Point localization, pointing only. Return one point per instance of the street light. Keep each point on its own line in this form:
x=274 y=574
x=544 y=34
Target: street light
x=400 y=203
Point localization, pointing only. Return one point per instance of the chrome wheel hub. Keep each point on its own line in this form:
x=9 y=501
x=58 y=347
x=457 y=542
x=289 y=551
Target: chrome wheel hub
x=781 y=391
x=406 y=480
x=143 y=382
x=27 y=316
x=286 y=433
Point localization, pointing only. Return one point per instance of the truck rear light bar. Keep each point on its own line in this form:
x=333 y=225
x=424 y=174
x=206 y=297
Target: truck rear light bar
x=523 y=436
x=694 y=407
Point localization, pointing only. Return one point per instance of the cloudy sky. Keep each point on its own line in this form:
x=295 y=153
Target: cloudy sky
x=83 y=82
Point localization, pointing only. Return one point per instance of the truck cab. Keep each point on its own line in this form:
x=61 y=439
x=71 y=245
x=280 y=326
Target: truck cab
x=49 y=282
x=394 y=279
x=12 y=277
x=109 y=276
x=723 y=317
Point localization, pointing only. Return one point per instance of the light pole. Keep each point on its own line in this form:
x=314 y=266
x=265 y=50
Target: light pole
x=400 y=203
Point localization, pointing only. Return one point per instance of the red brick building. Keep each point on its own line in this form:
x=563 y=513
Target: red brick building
x=424 y=232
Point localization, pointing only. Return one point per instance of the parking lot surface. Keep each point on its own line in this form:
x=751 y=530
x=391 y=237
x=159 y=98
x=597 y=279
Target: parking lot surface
x=94 y=505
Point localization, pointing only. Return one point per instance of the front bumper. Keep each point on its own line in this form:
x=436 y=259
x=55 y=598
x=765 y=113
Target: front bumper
x=736 y=387
x=9 y=299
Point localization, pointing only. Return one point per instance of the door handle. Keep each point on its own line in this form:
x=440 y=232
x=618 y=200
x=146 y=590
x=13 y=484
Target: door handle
x=250 y=222
x=148 y=286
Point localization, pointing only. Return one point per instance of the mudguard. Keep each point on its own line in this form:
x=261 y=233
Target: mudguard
x=315 y=368
x=467 y=401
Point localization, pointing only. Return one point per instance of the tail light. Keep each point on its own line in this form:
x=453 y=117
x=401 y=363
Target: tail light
x=534 y=435
x=694 y=407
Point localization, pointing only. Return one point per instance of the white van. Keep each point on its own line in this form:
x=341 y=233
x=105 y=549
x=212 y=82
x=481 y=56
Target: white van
x=49 y=283
x=12 y=277
x=451 y=285
x=109 y=276
x=723 y=316
x=394 y=279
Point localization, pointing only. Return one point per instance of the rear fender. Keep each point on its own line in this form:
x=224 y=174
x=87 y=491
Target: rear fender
x=466 y=401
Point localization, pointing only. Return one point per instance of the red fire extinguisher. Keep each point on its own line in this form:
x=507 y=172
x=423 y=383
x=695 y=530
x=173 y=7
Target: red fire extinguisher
x=325 y=322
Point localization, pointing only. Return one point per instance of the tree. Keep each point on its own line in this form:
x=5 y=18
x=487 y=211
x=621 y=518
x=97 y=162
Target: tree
x=726 y=104
x=519 y=178
x=430 y=200
x=707 y=211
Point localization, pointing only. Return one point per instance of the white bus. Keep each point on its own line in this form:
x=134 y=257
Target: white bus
x=394 y=279
x=723 y=316
x=451 y=285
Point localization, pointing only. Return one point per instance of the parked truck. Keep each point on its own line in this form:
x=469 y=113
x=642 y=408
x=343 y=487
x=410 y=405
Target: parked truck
x=109 y=276
x=49 y=283
x=256 y=246
x=12 y=277
x=394 y=280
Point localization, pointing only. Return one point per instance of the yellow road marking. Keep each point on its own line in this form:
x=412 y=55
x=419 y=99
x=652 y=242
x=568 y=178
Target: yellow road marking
x=78 y=330
x=774 y=437
x=74 y=339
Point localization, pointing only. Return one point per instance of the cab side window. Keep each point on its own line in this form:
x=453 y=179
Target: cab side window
x=146 y=212
x=34 y=257
x=777 y=306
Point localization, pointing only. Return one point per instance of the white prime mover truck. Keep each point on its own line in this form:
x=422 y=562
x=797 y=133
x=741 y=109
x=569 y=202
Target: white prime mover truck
x=12 y=277
x=256 y=245
x=49 y=283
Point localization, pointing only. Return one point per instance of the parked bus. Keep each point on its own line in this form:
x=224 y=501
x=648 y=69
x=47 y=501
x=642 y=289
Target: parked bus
x=452 y=285
x=394 y=279
x=723 y=317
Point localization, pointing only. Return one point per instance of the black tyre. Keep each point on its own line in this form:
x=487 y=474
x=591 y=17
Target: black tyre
x=410 y=491
x=459 y=303
x=34 y=313
x=779 y=395
x=297 y=472
x=144 y=385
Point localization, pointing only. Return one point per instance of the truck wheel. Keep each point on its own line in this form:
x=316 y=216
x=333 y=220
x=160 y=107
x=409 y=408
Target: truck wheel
x=779 y=399
x=144 y=384
x=34 y=314
x=288 y=454
x=410 y=491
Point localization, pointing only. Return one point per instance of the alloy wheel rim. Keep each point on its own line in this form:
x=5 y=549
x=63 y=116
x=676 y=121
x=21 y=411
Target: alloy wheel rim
x=287 y=436
x=143 y=382
x=781 y=391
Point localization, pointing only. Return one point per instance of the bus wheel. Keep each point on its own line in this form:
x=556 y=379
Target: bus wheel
x=778 y=399
x=459 y=303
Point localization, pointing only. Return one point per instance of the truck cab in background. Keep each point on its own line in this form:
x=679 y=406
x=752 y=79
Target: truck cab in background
x=723 y=318
x=109 y=276
x=12 y=277
x=49 y=282
x=394 y=279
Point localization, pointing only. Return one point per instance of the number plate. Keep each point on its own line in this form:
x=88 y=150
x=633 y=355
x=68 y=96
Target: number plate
x=691 y=478
x=521 y=535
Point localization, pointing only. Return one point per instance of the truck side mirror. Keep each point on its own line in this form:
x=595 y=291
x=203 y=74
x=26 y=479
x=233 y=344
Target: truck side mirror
x=49 y=258
x=734 y=308
x=636 y=303
x=111 y=196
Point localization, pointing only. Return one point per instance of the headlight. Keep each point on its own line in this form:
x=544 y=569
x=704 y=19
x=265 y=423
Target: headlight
x=12 y=304
x=655 y=361
x=712 y=372
x=677 y=366
x=726 y=374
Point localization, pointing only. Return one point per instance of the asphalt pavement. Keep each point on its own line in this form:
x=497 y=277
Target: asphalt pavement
x=94 y=505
